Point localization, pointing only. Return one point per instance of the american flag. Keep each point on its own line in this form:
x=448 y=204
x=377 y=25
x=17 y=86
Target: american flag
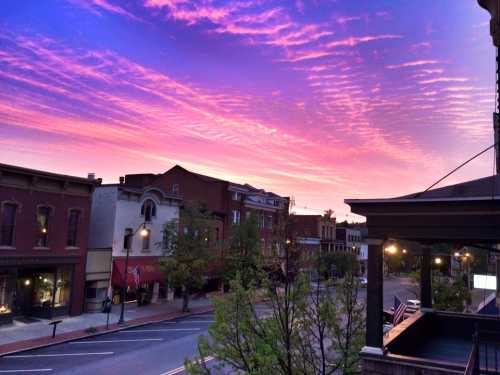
x=399 y=311
x=137 y=276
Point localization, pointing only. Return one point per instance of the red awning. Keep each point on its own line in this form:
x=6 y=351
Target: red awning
x=140 y=270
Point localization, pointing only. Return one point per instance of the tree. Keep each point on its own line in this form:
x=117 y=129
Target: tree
x=188 y=250
x=342 y=262
x=450 y=294
x=243 y=256
x=304 y=332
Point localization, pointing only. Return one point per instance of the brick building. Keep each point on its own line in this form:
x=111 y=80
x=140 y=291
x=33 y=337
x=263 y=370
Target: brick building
x=229 y=202
x=44 y=223
x=315 y=235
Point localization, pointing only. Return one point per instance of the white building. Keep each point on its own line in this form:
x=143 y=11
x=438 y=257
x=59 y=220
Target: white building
x=119 y=214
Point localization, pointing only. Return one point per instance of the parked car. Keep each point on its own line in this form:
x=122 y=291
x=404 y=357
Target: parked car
x=413 y=304
x=363 y=282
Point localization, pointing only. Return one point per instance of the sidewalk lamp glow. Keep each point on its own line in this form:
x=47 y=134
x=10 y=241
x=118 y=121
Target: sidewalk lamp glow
x=144 y=232
x=404 y=251
x=391 y=249
x=457 y=254
x=438 y=261
x=44 y=230
x=27 y=282
x=288 y=242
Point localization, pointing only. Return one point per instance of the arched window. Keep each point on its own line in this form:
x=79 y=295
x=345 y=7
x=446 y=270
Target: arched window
x=148 y=210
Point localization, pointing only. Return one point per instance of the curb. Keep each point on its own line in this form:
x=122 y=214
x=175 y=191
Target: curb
x=112 y=330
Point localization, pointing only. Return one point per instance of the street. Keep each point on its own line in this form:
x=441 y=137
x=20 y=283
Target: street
x=155 y=349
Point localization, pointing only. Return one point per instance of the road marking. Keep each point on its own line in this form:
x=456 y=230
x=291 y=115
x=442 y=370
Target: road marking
x=180 y=369
x=26 y=370
x=111 y=341
x=161 y=330
x=57 y=355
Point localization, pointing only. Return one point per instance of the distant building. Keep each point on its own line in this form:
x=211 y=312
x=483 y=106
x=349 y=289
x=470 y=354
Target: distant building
x=348 y=240
x=315 y=235
x=119 y=213
x=44 y=222
x=229 y=202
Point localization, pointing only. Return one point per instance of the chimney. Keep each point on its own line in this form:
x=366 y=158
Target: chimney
x=122 y=180
x=91 y=176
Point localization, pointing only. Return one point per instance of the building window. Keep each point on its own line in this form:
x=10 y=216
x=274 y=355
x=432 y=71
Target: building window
x=175 y=189
x=9 y=211
x=269 y=222
x=73 y=221
x=145 y=240
x=127 y=239
x=236 y=196
x=42 y=218
x=261 y=221
x=148 y=210
x=236 y=217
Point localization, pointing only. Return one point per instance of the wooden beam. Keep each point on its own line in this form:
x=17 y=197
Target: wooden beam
x=374 y=302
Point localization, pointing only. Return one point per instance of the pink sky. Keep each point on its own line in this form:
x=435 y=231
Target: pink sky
x=317 y=100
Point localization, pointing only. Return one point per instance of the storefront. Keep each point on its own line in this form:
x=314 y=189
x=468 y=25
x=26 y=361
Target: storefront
x=145 y=280
x=41 y=292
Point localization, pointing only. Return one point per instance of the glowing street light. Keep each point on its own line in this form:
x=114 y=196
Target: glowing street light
x=391 y=249
x=438 y=261
x=404 y=251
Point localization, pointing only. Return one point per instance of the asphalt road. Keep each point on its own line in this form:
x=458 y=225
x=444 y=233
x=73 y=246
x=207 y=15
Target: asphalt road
x=156 y=349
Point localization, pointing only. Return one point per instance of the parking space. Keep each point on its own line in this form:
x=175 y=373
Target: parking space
x=144 y=350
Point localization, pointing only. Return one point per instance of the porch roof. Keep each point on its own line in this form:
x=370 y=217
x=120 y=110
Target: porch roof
x=468 y=212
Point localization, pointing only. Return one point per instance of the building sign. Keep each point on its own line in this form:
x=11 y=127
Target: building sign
x=485 y=282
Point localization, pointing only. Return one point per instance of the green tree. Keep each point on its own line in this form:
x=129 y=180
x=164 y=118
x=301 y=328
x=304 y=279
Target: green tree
x=342 y=262
x=450 y=294
x=304 y=331
x=243 y=255
x=188 y=250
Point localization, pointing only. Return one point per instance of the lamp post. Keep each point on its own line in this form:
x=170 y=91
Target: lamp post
x=144 y=233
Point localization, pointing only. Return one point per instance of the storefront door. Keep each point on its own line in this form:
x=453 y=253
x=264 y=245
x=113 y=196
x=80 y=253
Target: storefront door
x=24 y=296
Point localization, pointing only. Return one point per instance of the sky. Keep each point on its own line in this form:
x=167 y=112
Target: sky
x=320 y=100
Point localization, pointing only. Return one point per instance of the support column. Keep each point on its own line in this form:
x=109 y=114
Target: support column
x=425 y=279
x=374 y=299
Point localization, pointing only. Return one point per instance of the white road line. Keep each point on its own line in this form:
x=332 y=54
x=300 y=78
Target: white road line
x=111 y=341
x=26 y=370
x=180 y=369
x=57 y=355
x=161 y=330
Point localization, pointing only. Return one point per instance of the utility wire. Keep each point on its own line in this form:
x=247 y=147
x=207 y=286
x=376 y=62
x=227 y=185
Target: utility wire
x=456 y=169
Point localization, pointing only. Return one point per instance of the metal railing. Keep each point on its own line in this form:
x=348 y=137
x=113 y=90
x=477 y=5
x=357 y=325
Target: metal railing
x=484 y=358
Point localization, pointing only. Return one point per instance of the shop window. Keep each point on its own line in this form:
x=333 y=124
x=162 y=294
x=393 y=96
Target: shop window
x=148 y=210
x=6 y=293
x=43 y=289
x=42 y=218
x=73 y=221
x=63 y=290
x=8 y=223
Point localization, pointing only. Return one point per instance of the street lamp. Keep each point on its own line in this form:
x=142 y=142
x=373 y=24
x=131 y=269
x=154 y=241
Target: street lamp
x=391 y=249
x=144 y=232
x=438 y=261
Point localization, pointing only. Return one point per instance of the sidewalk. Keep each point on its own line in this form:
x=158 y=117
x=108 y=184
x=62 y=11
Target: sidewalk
x=22 y=336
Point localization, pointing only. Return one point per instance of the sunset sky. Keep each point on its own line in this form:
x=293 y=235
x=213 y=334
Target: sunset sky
x=321 y=100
